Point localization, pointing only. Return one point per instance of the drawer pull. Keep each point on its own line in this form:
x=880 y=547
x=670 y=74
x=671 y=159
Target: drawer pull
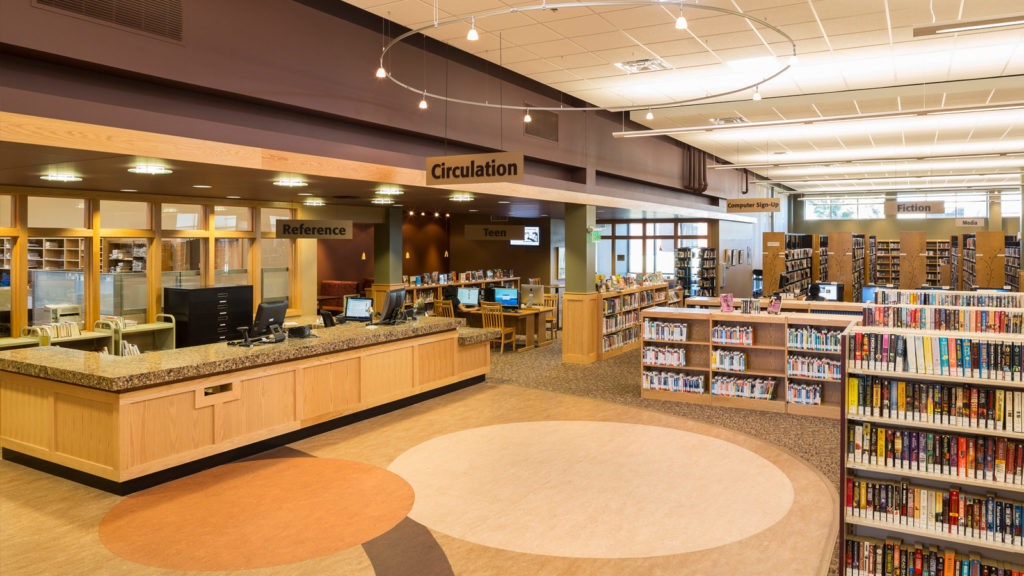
x=219 y=389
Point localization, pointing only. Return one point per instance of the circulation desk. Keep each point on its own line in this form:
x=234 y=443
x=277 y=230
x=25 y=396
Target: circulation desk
x=125 y=423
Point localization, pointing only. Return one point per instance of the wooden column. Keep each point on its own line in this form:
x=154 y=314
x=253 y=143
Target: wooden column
x=581 y=304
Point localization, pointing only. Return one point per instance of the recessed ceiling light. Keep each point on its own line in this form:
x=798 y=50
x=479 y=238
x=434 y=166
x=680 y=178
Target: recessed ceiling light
x=61 y=177
x=201 y=186
x=382 y=200
x=169 y=210
x=461 y=197
x=390 y=191
x=233 y=197
x=543 y=215
x=290 y=182
x=314 y=203
x=473 y=210
x=219 y=209
x=150 y=169
x=128 y=190
x=503 y=202
x=411 y=213
x=305 y=194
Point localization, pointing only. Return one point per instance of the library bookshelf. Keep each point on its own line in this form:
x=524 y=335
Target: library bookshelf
x=620 y=311
x=931 y=450
x=793 y=261
x=983 y=260
x=846 y=262
x=938 y=265
x=771 y=349
x=427 y=293
x=887 y=262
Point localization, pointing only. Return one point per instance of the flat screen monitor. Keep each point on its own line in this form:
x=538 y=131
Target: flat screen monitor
x=532 y=294
x=487 y=294
x=268 y=314
x=991 y=290
x=829 y=291
x=531 y=237
x=392 y=306
x=506 y=296
x=469 y=296
x=867 y=293
x=359 y=309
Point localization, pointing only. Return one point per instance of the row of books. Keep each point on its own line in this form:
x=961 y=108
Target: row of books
x=619 y=339
x=119 y=322
x=866 y=556
x=965 y=406
x=956 y=299
x=959 y=319
x=672 y=382
x=813 y=367
x=814 y=339
x=611 y=305
x=988 y=518
x=940 y=355
x=664 y=355
x=730 y=360
x=807 y=394
x=742 y=335
x=612 y=323
x=60 y=330
x=956 y=455
x=659 y=330
x=756 y=388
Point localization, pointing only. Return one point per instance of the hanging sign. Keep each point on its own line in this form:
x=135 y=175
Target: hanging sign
x=753 y=205
x=475 y=168
x=970 y=222
x=333 y=229
x=894 y=208
x=488 y=232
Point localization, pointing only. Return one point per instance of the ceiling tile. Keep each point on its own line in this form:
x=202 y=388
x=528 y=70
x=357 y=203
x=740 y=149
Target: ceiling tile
x=605 y=41
x=555 y=48
x=584 y=26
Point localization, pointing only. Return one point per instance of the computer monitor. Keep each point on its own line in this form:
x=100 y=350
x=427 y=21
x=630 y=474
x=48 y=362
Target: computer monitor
x=469 y=296
x=487 y=294
x=268 y=314
x=531 y=294
x=393 y=303
x=867 y=293
x=506 y=296
x=358 y=309
x=829 y=291
x=990 y=290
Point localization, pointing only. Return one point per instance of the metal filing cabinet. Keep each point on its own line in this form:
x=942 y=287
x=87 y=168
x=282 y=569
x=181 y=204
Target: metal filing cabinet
x=208 y=315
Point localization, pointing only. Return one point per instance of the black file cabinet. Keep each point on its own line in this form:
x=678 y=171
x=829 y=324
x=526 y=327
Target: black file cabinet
x=208 y=315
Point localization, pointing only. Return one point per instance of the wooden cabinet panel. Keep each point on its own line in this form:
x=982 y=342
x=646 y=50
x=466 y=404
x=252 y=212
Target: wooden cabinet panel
x=435 y=361
x=268 y=402
x=386 y=374
x=331 y=388
x=165 y=426
x=475 y=358
x=85 y=429
x=580 y=338
x=25 y=412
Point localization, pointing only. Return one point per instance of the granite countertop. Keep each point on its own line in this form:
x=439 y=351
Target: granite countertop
x=126 y=373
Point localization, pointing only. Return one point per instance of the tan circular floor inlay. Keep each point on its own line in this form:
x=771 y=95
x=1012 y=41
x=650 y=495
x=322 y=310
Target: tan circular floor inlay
x=592 y=489
x=257 y=514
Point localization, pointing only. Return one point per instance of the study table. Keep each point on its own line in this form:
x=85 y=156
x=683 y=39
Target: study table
x=122 y=423
x=529 y=322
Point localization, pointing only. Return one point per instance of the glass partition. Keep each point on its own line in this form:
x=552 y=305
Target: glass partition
x=46 y=212
x=126 y=215
x=6 y=209
x=237 y=218
x=231 y=262
x=182 y=217
x=124 y=294
x=180 y=263
x=5 y=284
x=56 y=296
x=276 y=256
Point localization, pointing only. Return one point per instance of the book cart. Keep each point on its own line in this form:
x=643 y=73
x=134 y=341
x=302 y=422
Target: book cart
x=139 y=338
x=779 y=363
x=933 y=442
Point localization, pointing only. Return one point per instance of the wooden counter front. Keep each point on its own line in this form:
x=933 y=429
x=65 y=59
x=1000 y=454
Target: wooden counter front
x=120 y=436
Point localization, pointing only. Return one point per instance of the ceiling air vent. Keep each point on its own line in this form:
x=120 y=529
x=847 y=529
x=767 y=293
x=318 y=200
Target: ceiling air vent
x=728 y=120
x=158 y=17
x=643 y=65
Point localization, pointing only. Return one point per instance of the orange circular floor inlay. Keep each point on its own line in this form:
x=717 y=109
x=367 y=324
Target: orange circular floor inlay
x=256 y=514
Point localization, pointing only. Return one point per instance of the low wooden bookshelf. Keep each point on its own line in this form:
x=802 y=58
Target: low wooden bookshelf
x=769 y=351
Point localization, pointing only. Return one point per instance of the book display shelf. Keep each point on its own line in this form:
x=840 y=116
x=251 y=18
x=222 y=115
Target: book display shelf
x=55 y=253
x=938 y=263
x=932 y=451
x=687 y=270
x=707 y=283
x=620 y=317
x=780 y=363
x=429 y=292
x=1013 y=262
x=887 y=262
x=139 y=338
x=66 y=336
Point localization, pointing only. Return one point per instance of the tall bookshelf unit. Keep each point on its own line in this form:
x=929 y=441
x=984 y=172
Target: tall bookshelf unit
x=820 y=258
x=938 y=265
x=913 y=259
x=887 y=262
x=1013 y=262
x=687 y=271
x=776 y=348
x=955 y=276
x=790 y=262
x=707 y=282
x=871 y=275
x=923 y=446
x=984 y=255
x=846 y=259
x=619 y=325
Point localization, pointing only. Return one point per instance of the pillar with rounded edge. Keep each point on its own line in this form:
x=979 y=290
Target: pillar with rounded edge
x=387 y=256
x=581 y=304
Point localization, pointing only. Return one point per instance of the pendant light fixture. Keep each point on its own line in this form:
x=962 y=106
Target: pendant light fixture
x=650 y=115
x=757 y=94
x=423 y=101
x=527 y=118
x=681 y=23
x=472 y=35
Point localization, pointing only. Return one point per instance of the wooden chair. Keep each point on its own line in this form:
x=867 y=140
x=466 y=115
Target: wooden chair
x=492 y=318
x=443 y=309
x=551 y=322
x=533 y=281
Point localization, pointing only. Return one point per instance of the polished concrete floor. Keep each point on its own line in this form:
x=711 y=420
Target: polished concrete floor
x=498 y=478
